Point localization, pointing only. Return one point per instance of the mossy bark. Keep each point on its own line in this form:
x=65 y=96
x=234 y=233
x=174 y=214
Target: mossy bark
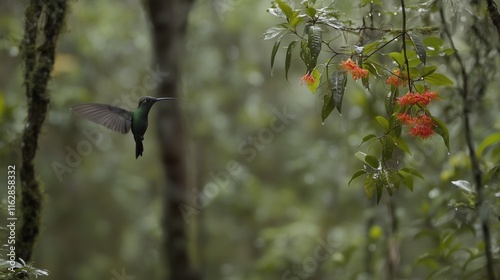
x=38 y=50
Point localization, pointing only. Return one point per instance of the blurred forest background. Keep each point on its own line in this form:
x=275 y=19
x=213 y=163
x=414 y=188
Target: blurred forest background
x=287 y=195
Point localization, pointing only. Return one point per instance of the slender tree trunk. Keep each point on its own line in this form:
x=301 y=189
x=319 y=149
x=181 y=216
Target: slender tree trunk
x=169 y=22
x=38 y=61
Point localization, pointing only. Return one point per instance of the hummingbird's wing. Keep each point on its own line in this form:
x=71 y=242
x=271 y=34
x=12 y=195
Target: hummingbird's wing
x=114 y=118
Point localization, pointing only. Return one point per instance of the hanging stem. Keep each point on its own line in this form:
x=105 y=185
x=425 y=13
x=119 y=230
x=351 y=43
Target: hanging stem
x=403 y=33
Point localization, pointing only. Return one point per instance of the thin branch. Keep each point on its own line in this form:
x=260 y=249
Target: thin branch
x=403 y=32
x=494 y=14
x=472 y=153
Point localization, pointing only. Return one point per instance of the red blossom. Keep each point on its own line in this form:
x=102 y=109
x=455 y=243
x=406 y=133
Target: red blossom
x=420 y=126
x=308 y=79
x=351 y=67
x=423 y=99
x=396 y=80
x=406 y=119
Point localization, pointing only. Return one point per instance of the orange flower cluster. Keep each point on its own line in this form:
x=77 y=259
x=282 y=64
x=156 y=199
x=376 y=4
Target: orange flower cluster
x=423 y=99
x=307 y=79
x=420 y=126
x=396 y=79
x=351 y=67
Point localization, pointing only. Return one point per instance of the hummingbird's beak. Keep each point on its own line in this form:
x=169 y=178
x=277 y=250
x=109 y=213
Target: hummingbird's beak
x=165 y=98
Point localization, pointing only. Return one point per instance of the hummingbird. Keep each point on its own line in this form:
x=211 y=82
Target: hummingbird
x=121 y=120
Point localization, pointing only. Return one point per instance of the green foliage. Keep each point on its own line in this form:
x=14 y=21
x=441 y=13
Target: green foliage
x=19 y=270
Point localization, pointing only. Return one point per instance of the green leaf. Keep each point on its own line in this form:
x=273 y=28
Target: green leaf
x=295 y=20
x=317 y=77
x=442 y=130
x=369 y=185
x=398 y=57
x=438 y=79
x=314 y=41
x=372 y=46
x=372 y=2
x=402 y=145
x=490 y=173
x=390 y=180
x=337 y=83
x=305 y=55
x=368 y=159
x=273 y=53
x=274 y=31
x=427 y=70
x=388 y=149
x=490 y=140
x=356 y=175
x=379 y=186
x=419 y=47
x=383 y=122
x=328 y=105
x=311 y=12
x=390 y=100
x=288 y=58
x=285 y=8
x=368 y=137
x=407 y=178
x=412 y=171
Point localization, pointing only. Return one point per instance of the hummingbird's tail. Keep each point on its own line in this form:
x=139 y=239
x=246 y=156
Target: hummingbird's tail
x=138 y=146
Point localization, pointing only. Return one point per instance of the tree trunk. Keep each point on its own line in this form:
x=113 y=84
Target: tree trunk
x=169 y=22
x=38 y=62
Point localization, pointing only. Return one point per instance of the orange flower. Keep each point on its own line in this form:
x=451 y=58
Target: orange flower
x=420 y=126
x=415 y=98
x=406 y=119
x=308 y=79
x=396 y=80
x=351 y=67
x=423 y=127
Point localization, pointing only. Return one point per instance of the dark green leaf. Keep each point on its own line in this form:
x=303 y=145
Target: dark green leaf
x=273 y=53
x=337 y=83
x=388 y=149
x=379 y=186
x=368 y=159
x=314 y=41
x=390 y=100
x=288 y=58
x=419 y=47
x=328 y=105
x=487 y=177
x=442 y=130
x=356 y=175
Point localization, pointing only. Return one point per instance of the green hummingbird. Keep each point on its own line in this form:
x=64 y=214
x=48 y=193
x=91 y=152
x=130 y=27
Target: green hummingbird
x=121 y=120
